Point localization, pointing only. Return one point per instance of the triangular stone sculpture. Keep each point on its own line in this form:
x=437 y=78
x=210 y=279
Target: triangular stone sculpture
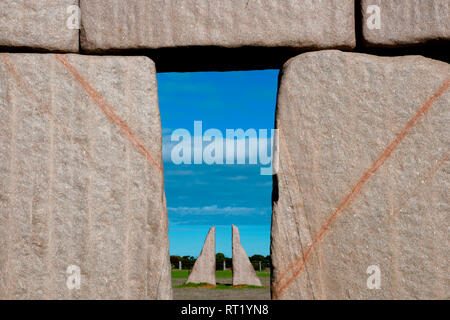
x=204 y=270
x=243 y=272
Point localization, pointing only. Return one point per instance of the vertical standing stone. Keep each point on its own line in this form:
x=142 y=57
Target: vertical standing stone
x=243 y=272
x=362 y=187
x=204 y=270
x=81 y=185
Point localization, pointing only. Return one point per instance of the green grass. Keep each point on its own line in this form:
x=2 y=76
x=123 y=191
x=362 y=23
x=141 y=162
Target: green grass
x=180 y=274
x=223 y=274
x=219 y=286
x=263 y=274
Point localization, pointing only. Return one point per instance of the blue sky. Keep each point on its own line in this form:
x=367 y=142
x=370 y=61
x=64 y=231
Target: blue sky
x=201 y=195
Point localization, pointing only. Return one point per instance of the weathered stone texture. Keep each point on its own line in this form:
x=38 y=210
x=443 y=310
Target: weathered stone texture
x=81 y=179
x=37 y=25
x=204 y=270
x=243 y=272
x=226 y=23
x=408 y=22
x=363 y=177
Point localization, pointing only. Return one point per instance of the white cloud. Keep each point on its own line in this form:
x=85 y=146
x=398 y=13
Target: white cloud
x=237 y=178
x=179 y=173
x=215 y=210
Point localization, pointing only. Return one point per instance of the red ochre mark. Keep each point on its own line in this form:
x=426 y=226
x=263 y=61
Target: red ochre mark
x=298 y=265
x=44 y=108
x=106 y=108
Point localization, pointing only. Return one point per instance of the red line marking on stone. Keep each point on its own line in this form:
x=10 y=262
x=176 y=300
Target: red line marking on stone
x=356 y=190
x=108 y=110
x=44 y=108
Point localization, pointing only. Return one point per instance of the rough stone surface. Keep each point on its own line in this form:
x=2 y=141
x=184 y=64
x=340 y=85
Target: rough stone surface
x=204 y=270
x=406 y=22
x=37 y=25
x=226 y=23
x=363 y=178
x=80 y=179
x=243 y=272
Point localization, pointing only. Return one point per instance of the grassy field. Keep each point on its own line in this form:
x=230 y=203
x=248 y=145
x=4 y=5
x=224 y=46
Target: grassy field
x=219 y=286
x=179 y=274
x=223 y=290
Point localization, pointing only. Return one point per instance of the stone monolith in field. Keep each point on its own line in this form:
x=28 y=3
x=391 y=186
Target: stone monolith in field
x=243 y=271
x=82 y=205
x=360 y=202
x=204 y=270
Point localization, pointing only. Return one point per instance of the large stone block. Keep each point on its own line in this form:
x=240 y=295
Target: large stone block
x=81 y=184
x=243 y=272
x=204 y=270
x=406 y=22
x=38 y=24
x=227 y=23
x=363 y=180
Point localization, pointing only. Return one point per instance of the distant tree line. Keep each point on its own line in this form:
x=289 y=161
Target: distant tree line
x=220 y=258
x=187 y=262
x=265 y=261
